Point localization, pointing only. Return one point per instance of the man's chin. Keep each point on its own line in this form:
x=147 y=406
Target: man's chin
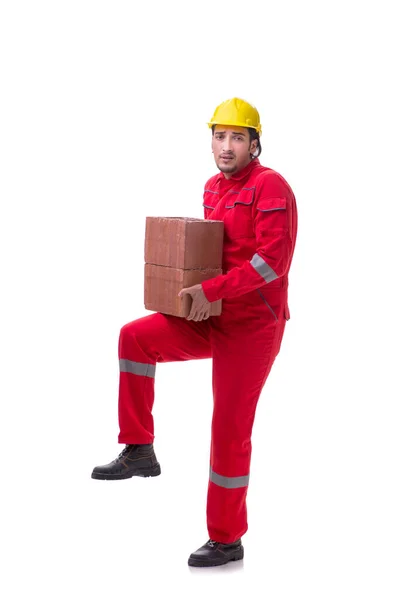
x=226 y=168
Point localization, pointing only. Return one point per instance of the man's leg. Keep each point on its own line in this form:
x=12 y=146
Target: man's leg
x=143 y=343
x=242 y=358
x=243 y=354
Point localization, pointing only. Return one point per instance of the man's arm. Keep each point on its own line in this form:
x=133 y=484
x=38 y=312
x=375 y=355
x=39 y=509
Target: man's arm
x=272 y=226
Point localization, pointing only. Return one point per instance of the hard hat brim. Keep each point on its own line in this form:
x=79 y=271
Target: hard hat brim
x=258 y=129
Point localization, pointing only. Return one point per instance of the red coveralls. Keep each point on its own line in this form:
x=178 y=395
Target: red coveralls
x=259 y=212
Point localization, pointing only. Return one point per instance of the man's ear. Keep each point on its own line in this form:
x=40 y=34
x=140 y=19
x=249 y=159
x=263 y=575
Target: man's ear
x=253 y=146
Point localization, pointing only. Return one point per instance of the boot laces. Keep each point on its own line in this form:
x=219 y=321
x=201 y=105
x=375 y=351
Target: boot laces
x=126 y=450
x=211 y=543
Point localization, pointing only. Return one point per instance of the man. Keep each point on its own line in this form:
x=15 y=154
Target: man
x=259 y=212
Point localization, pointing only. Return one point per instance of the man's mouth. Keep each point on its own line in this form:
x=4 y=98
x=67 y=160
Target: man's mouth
x=227 y=157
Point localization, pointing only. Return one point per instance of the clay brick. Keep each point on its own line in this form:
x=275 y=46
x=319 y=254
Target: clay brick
x=162 y=284
x=184 y=242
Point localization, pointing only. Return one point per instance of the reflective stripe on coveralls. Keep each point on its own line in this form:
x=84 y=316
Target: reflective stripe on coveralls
x=263 y=268
x=229 y=482
x=130 y=366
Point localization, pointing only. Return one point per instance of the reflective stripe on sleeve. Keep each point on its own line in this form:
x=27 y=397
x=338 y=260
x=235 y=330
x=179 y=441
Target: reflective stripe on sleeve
x=137 y=368
x=263 y=268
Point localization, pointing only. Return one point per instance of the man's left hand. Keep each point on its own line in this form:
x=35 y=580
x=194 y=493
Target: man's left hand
x=201 y=307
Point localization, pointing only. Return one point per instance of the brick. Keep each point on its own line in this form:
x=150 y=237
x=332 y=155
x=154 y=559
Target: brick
x=184 y=242
x=162 y=284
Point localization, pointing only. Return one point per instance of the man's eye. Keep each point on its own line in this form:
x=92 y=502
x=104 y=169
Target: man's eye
x=238 y=138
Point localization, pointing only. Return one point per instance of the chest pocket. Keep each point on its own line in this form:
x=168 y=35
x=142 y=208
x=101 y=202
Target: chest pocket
x=238 y=218
x=277 y=215
x=210 y=201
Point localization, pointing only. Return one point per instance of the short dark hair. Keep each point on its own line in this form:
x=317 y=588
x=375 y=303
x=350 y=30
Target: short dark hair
x=254 y=135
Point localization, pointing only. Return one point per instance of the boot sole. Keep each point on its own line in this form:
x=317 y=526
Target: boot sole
x=145 y=472
x=198 y=562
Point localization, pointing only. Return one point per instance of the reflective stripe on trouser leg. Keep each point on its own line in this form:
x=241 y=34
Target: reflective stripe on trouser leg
x=136 y=368
x=229 y=482
x=242 y=358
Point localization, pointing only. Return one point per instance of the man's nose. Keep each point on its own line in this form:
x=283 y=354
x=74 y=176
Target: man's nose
x=227 y=143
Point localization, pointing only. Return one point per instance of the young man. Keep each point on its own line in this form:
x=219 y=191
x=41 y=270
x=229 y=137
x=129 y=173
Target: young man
x=259 y=212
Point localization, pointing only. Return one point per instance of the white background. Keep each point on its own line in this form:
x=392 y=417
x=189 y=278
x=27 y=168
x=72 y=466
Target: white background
x=103 y=121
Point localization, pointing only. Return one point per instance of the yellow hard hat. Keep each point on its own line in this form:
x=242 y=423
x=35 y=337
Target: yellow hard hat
x=236 y=112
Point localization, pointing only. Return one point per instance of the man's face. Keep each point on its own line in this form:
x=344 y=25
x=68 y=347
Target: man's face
x=232 y=148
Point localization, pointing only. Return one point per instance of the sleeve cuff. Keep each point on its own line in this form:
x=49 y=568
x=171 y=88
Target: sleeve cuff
x=210 y=290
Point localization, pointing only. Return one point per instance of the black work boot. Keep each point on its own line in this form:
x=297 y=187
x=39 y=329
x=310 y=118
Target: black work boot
x=213 y=554
x=135 y=459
